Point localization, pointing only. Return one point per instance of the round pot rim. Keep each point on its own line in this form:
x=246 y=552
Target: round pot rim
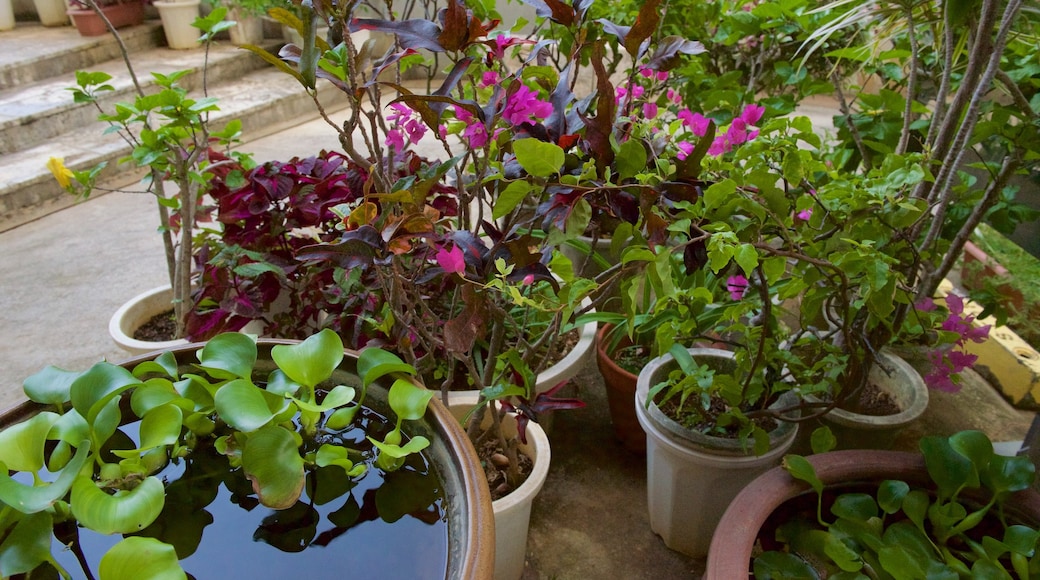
x=778 y=438
x=731 y=546
x=605 y=357
x=124 y=340
x=918 y=399
x=569 y=366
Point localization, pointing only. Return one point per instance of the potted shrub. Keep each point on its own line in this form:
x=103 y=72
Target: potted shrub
x=170 y=136
x=140 y=450
x=87 y=15
x=956 y=509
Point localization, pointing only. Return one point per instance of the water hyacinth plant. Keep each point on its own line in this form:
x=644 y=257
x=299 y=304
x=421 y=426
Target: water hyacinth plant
x=77 y=464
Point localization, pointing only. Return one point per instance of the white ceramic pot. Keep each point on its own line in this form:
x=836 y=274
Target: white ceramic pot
x=177 y=17
x=137 y=311
x=6 y=15
x=248 y=29
x=904 y=385
x=569 y=366
x=692 y=478
x=51 y=12
x=513 y=512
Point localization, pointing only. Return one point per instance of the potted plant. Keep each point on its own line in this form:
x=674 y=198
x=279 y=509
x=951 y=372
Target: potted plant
x=140 y=450
x=247 y=16
x=955 y=509
x=51 y=12
x=89 y=17
x=177 y=18
x=170 y=135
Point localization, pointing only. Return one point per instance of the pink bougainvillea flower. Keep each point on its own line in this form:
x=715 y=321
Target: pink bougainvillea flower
x=925 y=305
x=662 y=75
x=645 y=72
x=407 y=120
x=489 y=78
x=395 y=139
x=719 y=146
x=649 y=110
x=523 y=106
x=805 y=215
x=452 y=261
x=752 y=113
x=528 y=280
x=737 y=132
x=685 y=148
x=674 y=96
x=736 y=286
x=695 y=122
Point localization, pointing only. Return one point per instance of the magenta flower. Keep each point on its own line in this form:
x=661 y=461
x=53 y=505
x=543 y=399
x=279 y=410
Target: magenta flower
x=695 y=122
x=736 y=286
x=685 y=148
x=395 y=139
x=475 y=133
x=674 y=96
x=407 y=120
x=489 y=78
x=452 y=261
x=805 y=215
x=649 y=110
x=752 y=113
x=523 y=106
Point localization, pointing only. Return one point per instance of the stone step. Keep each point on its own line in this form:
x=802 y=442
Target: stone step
x=34 y=53
x=34 y=113
x=265 y=100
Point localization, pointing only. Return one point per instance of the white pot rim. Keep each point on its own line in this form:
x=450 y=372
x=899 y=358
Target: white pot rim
x=143 y=306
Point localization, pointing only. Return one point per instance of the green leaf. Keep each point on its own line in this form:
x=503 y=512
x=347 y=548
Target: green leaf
x=161 y=426
x=28 y=545
x=31 y=499
x=538 y=158
x=342 y=418
x=271 y=460
x=125 y=512
x=408 y=400
x=374 y=363
x=823 y=440
x=718 y=193
x=510 y=197
x=97 y=386
x=747 y=258
x=414 y=445
x=855 y=506
x=949 y=469
x=630 y=159
x=141 y=558
x=891 y=494
x=22 y=444
x=247 y=407
x=231 y=355
x=311 y=361
x=800 y=469
x=50 y=386
x=783 y=566
x=339 y=395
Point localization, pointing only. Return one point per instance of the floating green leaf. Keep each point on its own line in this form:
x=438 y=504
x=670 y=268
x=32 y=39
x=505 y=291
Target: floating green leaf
x=97 y=386
x=247 y=407
x=374 y=363
x=50 y=386
x=312 y=361
x=141 y=558
x=229 y=356
x=27 y=546
x=408 y=400
x=339 y=395
x=272 y=461
x=31 y=499
x=124 y=512
x=161 y=426
x=22 y=444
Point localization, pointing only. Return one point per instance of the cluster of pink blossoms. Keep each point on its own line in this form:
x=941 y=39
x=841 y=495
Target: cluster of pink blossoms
x=740 y=131
x=947 y=364
x=406 y=122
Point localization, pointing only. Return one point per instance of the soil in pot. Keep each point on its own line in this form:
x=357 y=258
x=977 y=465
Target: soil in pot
x=873 y=401
x=496 y=465
x=159 y=328
x=218 y=528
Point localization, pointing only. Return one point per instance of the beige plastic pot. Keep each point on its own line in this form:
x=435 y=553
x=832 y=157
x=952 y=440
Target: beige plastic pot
x=177 y=17
x=691 y=478
x=513 y=512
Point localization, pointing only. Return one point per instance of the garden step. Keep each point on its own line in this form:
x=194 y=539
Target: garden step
x=265 y=100
x=34 y=53
x=37 y=112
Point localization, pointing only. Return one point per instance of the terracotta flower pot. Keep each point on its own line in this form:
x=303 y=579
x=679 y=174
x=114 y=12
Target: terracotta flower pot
x=730 y=553
x=621 y=389
x=129 y=13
